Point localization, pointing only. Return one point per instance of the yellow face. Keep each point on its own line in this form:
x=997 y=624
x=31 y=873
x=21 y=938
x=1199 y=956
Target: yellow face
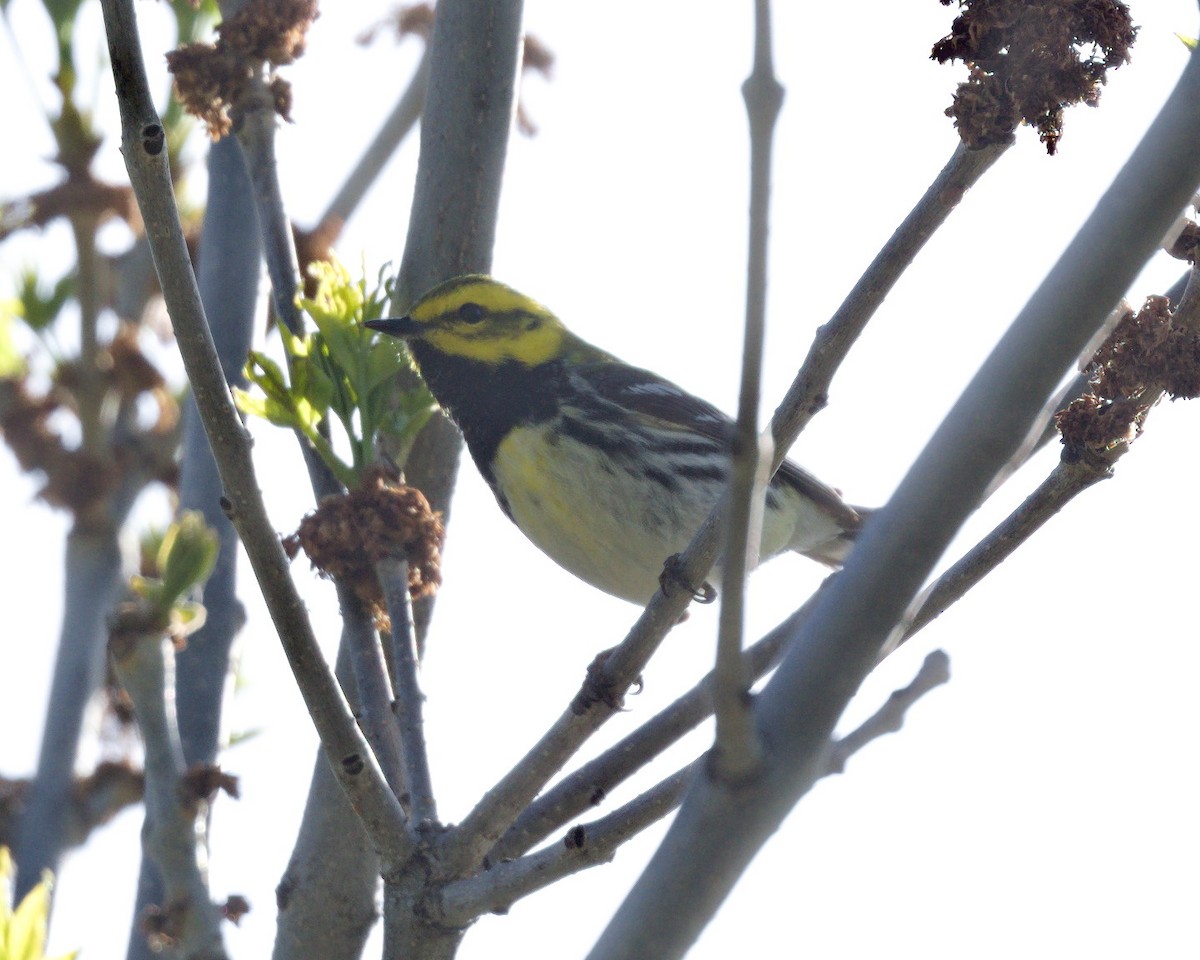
x=478 y=318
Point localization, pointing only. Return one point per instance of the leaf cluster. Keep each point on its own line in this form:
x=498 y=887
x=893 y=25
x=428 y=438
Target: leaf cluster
x=23 y=929
x=341 y=370
x=177 y=562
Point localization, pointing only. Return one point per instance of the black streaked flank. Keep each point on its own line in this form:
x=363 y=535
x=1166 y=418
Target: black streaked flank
x=668 y=481
x=713 y=470
x=681 y=444
x=611 y=441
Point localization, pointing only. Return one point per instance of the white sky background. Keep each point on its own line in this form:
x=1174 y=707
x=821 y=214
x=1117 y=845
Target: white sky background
x=1043 y=804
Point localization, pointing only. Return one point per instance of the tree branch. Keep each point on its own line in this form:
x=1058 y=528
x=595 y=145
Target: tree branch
x=371 y=681
x=173 y=814
x=145 y=158
x=326 y=897
x=409 y=704
x=255 y=131
x=889 y=718
x=590 y=844
x=1065 y=482
x=399 y=122
x=737 y=752
x=809 y=392
x=588 y=786
x=587 y=845
x=93 y=576
x=227 y=278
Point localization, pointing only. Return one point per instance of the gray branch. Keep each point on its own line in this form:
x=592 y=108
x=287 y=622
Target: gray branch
x=92 y=579
x=409 y=703
x=173 y=837
x=326 y=897
x=399 y=122
x=737 y=752
x=145 y=159
x=228 y=283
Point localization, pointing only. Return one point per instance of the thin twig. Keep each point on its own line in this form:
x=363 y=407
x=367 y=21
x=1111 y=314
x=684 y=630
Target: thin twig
x=255 y=131
x=373 y=685
x=409 y=704
x=1065 y=482
x=379 y=152
x=145 y=158
x=587 y=845
x=737 y=752
x=590 y=844
x=1047 y=430
x=174 y=822
x=501 y=805
x=889 y=718
x=1185 y=299
x=588 y=786
x=809 y=392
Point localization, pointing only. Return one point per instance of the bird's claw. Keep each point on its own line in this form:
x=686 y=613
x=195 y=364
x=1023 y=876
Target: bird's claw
x=672 y=579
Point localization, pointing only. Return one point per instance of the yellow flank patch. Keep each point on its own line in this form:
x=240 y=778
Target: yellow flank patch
x=609 y=526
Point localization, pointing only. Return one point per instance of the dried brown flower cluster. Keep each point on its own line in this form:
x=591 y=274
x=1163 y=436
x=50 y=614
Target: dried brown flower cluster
x=94 y=800
x=75 y=480
x=1187 y=244
x=212 y=79
x=79 y=195
x=1146 y=356
x=347 y=535
x=78 y=480
x=203 y=781
x=407 y=19
x=1028 y=60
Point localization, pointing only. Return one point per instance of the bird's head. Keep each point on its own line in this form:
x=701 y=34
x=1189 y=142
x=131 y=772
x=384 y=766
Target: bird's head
x=477 y=318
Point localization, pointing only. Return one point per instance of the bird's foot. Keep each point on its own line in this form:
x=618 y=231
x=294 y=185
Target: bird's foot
x=672 y=579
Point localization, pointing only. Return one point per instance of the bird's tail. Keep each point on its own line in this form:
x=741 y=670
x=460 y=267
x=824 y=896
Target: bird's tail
x=833 y=552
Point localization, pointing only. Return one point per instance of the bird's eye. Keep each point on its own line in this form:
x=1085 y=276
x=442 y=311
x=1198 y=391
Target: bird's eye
x=470 y=313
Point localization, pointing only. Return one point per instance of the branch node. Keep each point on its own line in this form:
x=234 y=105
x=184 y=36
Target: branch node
x=154 y=138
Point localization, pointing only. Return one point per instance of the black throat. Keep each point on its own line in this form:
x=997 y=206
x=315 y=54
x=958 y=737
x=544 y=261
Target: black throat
x=488 y=400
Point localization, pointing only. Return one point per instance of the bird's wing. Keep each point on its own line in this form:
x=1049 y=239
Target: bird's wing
x=648 y=395
x=651 y=397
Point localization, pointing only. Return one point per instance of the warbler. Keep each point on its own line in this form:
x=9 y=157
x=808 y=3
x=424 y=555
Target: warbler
x=609 y=469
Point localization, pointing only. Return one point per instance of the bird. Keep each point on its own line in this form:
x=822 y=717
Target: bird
x=608 y=468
